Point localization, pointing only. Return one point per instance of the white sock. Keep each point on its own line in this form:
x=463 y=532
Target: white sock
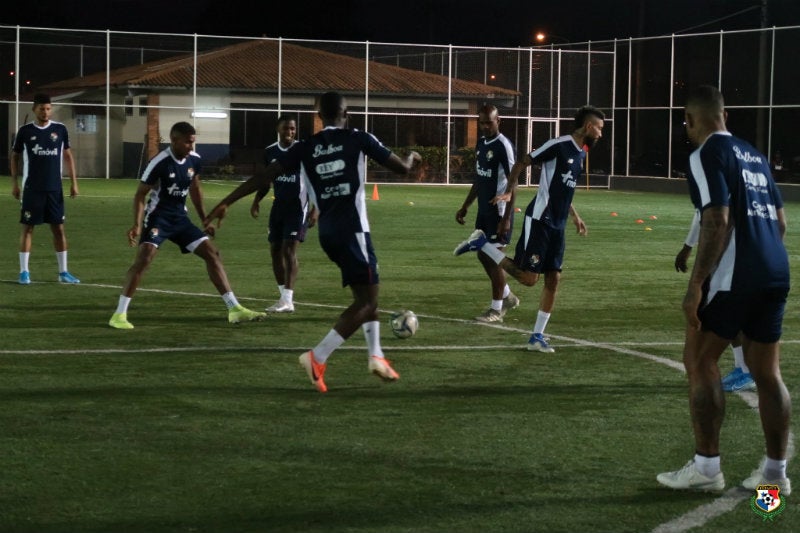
x=495 y=253
x=327 y=345
x=61 y=257
x=738 y=359
x=23 y=261
x=372 y=332
x=288 y=295
x=541 y=322
x=497 y=305
x=774 y=469
x=281 y=288
x=230 y=300
x=122 y=305
x=506 y=291
x=708 y=466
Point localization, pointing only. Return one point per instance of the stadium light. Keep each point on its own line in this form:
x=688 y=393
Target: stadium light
x=551 y=38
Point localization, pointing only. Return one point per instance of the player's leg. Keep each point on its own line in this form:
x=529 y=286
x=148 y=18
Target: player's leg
x=774 y=403
x=25 y=243
x=285 y=264
x=60 y=245
x=702 y=349
x=53 y=214
x=547 y=302
x=738 y=379
x=31 y=215
x=144 y=256
x=497 y=278
x=762 y=352
x=209 y=253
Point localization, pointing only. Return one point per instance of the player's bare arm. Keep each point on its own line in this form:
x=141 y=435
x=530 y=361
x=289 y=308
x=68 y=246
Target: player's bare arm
x=580 y=225
x=196 y=194
x=73 y=176
x=255 y=207
x=138 y=213
x=14 y=164
x=714 y=234
x=682 y=259
x=471 y=195
x=513 y=180
x=255 y=183
x=402 y=165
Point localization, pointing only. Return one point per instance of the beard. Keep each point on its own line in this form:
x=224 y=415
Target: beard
x=589 y=141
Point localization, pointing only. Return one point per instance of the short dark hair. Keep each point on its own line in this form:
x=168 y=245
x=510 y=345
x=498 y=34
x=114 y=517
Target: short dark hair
x=584 y=112
x=182 y=128
x=487 y=109
x=285 y=118
x=41 y=98
x=331 y=104
x=706 y=97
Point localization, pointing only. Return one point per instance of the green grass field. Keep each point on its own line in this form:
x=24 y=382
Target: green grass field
x=190 y=424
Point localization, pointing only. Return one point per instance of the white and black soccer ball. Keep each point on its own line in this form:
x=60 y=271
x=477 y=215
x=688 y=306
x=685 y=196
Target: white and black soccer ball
x=404 y=324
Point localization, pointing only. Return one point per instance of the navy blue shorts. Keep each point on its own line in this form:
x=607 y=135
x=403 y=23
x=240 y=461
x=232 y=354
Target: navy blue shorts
x=179 y=230
x=42 y=207
x=488 y=221
x=354 y=255
x=287 y=222
x=758 y=315
x=540 y=248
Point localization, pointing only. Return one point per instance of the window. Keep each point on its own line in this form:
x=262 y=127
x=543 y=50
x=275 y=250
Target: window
x=86 y=124
x=142 y=106
x=128 y=106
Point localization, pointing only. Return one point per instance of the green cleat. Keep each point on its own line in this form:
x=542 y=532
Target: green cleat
x=120 y=321
x=242 y=314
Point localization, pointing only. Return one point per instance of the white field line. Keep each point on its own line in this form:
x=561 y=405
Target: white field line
x=692 y=519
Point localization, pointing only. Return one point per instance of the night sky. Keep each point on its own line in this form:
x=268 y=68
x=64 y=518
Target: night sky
x=459 y=22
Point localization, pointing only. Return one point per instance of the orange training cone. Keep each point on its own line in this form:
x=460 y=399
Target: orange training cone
x=375 y=195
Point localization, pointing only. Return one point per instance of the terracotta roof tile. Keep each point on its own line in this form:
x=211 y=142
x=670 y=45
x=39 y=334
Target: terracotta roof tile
x=252 y=66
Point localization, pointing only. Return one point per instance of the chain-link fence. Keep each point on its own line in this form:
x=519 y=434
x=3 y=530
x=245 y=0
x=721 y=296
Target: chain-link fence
x=120 y=92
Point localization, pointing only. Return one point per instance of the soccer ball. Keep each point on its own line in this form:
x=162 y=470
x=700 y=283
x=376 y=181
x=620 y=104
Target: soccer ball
x=403 y=323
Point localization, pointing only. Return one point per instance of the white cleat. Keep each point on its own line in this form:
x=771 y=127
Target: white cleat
x=281 y=306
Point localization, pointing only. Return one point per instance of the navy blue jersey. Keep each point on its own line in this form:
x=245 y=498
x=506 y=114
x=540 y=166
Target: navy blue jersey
x=170 y=179
x=332 y=163
x=562 y=163
x=494 y=159
x=727 y=171
x=42 y=149
x=288 y=187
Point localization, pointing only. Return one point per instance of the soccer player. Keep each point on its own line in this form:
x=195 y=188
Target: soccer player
x=540 y=247
x=739 y=282
x=332 y=163
x=494 y=159
x=171 y=176
x=738 y=379
x=40 y=150
x=289 y=217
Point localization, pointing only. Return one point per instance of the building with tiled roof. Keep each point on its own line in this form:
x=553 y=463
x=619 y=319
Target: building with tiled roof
x=245 y=84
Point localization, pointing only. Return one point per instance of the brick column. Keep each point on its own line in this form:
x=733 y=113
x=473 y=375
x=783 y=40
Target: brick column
x=153 y=135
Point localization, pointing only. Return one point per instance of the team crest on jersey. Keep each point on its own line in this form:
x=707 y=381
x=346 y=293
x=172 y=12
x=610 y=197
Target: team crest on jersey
x=535 y=259
x=190 y=172
x=489 y=155
x=767 y=502
x=154 y=232
x=26 y=215
x=54 y=136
